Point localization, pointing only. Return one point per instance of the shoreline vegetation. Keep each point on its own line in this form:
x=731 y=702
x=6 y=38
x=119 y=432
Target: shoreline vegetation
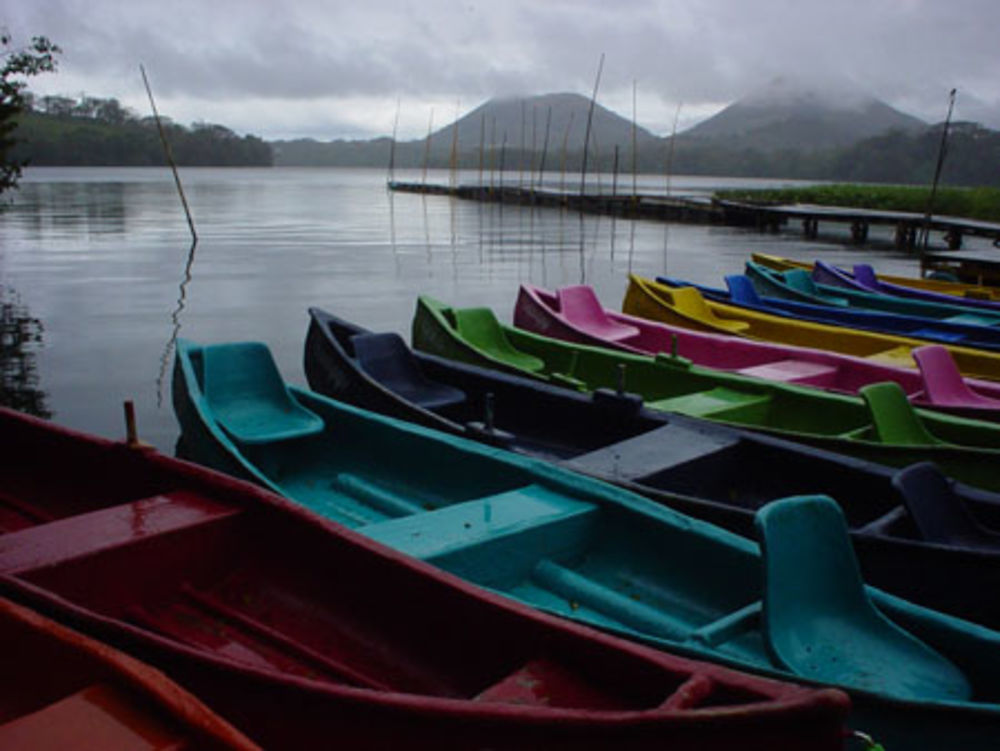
x=969 y=203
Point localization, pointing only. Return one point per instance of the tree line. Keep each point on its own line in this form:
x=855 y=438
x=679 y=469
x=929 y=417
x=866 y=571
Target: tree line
x=89 y=131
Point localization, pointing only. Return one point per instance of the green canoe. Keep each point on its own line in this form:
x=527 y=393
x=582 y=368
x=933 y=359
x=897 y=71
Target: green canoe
x=879 y=426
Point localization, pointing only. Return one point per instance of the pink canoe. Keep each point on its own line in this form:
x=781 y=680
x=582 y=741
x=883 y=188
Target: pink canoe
x=575 y=314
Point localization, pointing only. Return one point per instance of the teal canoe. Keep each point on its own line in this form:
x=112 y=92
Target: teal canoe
x=600 y=555
x=800 y=286
x=879 y=426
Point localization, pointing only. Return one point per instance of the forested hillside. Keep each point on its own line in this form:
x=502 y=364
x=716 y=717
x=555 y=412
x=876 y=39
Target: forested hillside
x=100 y=132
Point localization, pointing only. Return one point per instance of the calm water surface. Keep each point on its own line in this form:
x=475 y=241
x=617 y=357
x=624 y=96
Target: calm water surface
x=97 y=274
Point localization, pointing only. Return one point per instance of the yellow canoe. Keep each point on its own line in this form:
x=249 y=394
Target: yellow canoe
x=957 y=289
x=685 y=306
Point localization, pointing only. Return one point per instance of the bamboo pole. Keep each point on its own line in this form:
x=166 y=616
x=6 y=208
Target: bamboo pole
x=392 y=145
x=545 y=144
x=590 y=120
x=937 y=169
x=670 y=149
x=427 y=145
x=453 y=158
x=170 y=156
x=562 y=177
x=482 y=144
x=635 y=189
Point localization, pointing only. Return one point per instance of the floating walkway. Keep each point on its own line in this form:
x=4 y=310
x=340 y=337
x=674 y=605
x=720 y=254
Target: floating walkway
x=732 y=213
x=908 y=224
x=633 y=206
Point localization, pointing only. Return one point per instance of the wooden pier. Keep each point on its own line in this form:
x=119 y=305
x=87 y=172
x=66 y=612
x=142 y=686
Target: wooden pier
x=909 y=225
x=764 y=217
x=633 y=206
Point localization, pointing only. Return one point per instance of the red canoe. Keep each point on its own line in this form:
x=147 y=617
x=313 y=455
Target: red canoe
x=303 y=634
x=574 y=314
x=63 y=690
x=300 y=632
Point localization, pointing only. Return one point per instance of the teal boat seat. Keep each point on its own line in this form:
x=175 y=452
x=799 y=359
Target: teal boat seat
x=938 y=512
x=801 y=281
x=248 y=397
x=480 y=328
x=893 y=417
x=818 y=620
x=386 y=358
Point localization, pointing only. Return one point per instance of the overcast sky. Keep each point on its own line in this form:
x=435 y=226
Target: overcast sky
x=335 y=69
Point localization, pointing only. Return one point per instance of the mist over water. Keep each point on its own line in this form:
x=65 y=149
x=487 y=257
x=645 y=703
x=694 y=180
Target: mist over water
x=99 y=263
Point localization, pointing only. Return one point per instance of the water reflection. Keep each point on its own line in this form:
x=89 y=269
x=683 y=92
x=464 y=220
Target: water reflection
x=20 y=338
x=175 y=320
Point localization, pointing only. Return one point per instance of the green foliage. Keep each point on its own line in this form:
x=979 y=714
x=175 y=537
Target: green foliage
x=18 y=65
x=972 y=203
x=59 y=131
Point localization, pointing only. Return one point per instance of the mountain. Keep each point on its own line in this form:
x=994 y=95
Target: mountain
x=790 y=115
x=491 y=125
x=514 y=119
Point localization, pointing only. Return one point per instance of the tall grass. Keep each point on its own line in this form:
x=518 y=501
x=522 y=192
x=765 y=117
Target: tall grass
x=971 y=203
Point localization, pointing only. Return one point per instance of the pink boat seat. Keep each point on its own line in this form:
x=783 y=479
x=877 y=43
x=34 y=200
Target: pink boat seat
x=793 y=371
x=580 y=306
x=943 y=383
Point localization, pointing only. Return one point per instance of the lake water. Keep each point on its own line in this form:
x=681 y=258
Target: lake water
x=97 y=277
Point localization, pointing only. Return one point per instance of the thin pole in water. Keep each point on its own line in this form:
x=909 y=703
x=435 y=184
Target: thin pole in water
x=937 y=169
x=392 y=145
x=427 y=145
x=545 y=145
x=170 y=156
x=590 y=120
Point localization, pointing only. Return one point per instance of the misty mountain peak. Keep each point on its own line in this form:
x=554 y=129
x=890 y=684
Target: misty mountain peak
x=799 y=113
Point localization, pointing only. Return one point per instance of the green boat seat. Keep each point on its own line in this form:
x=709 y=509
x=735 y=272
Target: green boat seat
x=248 y=397
x=818 y=619
x=480 y=328
x=894 y=418
x=720 y=403
x=386 y=358
x=938 y=512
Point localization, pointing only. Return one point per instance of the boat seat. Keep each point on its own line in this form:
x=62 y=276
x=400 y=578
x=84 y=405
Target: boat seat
x=801 y=281
x=514 y=528
x=689 y=302
x=943 y=383
x=386 y=358
x=893 y=417
x=480 y=328
x=720 y=403
x=581 y=307
x=741 y=290
x=937 y=511
x=818 y=619
x=248 y=398
x=793 y=371
x=900 y=357
x=864 y=275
